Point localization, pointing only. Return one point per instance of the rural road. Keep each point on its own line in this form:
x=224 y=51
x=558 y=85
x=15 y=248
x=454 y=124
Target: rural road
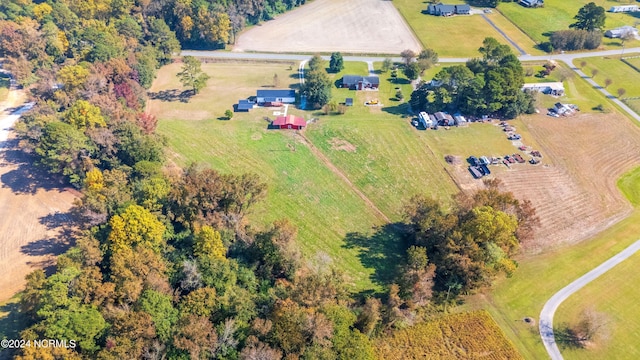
x=549 y=309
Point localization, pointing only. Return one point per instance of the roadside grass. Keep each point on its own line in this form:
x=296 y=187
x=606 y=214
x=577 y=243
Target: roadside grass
x=539 y=23
x=5 y=83
x=622 y=75
x=539 y=277
x=456 y=36
x=633 y=104
x=635 y=60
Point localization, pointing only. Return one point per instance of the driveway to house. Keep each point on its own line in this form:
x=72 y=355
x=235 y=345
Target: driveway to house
x=549 y=309
x=505 y=36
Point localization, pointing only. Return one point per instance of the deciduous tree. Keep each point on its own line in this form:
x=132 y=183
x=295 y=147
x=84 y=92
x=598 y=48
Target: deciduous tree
x=192 y=75
x=590 y=17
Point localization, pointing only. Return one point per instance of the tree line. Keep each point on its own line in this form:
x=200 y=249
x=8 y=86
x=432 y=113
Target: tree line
x=488 y=85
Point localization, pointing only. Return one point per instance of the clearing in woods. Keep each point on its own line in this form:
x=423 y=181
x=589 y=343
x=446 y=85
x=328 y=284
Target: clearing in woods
x=354 y=26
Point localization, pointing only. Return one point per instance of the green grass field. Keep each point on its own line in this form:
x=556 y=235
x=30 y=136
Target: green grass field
x=635 y=61
x=539 y=23
x=4 y=86
x=615 y=293
x=622 y=75
x=457 y=36
x=539 y=277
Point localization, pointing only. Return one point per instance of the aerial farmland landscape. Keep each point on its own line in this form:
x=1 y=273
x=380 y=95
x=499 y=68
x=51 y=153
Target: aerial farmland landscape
x=319 y=179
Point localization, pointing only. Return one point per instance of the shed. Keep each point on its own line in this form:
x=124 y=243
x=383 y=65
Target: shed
x=244 y=105
x=270 y=97
x=348 y=101
x=444 y=119
x=289 y=122
x=460 y=120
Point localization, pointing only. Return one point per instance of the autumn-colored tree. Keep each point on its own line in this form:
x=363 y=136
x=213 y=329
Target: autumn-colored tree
x=200 y=302
x=208 y=242
x=196 y=336
x=73 y=77
x=370 y=316
x=84 y=115
x=135 y=227
x=132 y=271
x=147 y=122
x=94 y=181
x=47 y=353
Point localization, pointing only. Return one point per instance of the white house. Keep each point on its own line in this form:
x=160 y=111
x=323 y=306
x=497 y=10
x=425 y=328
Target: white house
x=619 y=32
x=549 y=88
x=624 y=8
x=286 y=96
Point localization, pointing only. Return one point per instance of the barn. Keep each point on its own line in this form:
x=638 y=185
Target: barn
x=276 y=97
x=356 y=82
x=288 y=122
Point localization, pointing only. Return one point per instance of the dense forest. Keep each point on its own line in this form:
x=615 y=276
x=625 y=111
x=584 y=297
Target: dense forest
x=165 y=263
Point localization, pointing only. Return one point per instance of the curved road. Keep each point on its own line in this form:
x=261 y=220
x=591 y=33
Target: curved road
x=549 y=309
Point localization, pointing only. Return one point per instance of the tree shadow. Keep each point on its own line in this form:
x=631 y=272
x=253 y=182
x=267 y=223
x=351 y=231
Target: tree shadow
x=11 y=324
x=383 y=251
x=172 y=95
x=567 y=338
x=27 y=178
x=400 y=109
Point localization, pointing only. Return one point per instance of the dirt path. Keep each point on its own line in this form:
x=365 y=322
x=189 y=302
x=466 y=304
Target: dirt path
x=340 y=174
x=33 y=211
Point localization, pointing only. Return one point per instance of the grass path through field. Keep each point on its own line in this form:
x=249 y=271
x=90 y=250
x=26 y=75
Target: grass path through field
x=318 y=154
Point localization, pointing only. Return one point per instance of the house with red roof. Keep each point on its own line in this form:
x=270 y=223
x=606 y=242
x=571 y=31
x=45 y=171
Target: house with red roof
x=288 y=122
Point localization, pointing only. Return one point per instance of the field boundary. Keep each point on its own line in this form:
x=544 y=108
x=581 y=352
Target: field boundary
x=517 y=26
x=624 y=60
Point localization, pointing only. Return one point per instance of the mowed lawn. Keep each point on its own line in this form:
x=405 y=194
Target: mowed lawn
x=301 y=188
x=622 y=76
x=539 y=23
x=539 y=277
x=615 y=294
x=456 y=36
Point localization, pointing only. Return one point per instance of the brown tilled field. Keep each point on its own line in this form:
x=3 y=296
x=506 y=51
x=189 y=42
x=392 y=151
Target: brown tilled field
x=354 y=26
x=33 y=211
x=574 y=189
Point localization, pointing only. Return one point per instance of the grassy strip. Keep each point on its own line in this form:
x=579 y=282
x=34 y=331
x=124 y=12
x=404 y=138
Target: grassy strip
x=5 y=83
x=622 y=75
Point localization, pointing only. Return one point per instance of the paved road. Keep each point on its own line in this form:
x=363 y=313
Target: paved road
x=549 y=309
x=568 y=57
x=513 y=43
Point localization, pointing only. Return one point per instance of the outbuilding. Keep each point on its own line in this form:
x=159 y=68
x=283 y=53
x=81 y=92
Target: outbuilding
x=549 y=88
x=289 y=122
x=532 y=3
x=276 y=97
x=244 y=105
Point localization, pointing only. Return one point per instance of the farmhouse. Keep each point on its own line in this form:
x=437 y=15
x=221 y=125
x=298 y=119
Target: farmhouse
x=289 y=122
x=356 y=82
x=532 y=3
x=624 y=8
x=244 y=106
x=448 y=10
x=621 y=31
x=549 y=88
x=276 y=97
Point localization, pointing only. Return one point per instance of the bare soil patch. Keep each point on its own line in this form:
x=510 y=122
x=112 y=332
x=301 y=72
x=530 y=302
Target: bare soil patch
x=575 y=191
x=342 y=145
x=354 y=26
